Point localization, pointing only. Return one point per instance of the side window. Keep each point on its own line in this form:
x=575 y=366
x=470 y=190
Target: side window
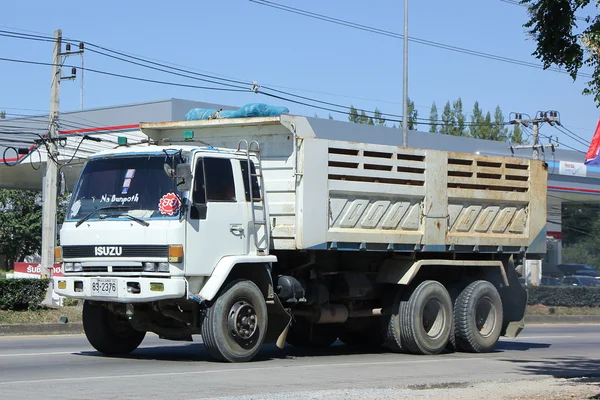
x=255 y=187
x=219 y=179
x=199 y=190
x=570 y=281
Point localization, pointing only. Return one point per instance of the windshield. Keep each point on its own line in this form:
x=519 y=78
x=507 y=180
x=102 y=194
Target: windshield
x=139 y=184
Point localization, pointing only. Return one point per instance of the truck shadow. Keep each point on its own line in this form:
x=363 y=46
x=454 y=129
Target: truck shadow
x=194 y=352
x=197 y=352
x=507 y=345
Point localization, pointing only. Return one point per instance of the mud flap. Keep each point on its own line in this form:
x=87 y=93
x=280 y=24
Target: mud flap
x=279 y=322
x=514 y=328
x=514 y=302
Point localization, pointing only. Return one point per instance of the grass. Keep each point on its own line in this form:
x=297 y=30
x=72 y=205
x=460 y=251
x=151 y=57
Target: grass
x=539 y=309
x=42 y=316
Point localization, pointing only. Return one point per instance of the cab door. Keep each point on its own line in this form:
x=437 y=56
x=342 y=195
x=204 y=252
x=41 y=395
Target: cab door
x=216 y=216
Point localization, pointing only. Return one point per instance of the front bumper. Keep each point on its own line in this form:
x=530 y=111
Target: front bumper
x=173 y=288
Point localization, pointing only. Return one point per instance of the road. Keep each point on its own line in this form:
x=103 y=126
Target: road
x=66 y=367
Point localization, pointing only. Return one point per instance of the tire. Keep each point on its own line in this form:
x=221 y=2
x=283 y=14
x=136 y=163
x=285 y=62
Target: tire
x=420 y=320
x=303 y=333
x=235 y=325
x=478 y=318
x=108 y=332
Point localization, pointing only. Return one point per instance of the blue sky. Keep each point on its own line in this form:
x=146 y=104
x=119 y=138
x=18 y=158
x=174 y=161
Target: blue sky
x=250 y=42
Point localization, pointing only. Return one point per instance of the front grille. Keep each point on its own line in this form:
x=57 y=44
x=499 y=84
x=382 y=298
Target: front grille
x=115 y=268
x=115 y=251
x=94 y=269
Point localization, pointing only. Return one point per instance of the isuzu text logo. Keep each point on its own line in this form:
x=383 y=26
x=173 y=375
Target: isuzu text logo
x=108 y=250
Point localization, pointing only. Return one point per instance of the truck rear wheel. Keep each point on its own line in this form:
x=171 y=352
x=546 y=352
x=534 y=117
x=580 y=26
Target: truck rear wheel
x=478 y=318
x=235 y=325
x=420 y=320
x=109 y=333
x=303 y=333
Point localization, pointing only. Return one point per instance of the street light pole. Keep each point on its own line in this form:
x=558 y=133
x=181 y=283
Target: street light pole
x=405 y=86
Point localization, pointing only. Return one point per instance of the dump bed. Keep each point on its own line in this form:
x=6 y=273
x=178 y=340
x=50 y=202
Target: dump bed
x=332 y=194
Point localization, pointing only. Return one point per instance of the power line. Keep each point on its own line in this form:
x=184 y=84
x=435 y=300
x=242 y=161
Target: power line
x=518 y=3
x=574 y=134
x=205 y=74
x=125 y=76
x=395 y=35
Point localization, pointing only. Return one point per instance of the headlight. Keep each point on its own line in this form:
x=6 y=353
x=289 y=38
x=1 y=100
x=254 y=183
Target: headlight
x=149 y=267
x=68 y=267
x=163 y=267
x=77 y=267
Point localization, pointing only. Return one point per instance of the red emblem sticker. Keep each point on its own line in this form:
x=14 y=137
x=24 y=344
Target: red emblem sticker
x=169 y=204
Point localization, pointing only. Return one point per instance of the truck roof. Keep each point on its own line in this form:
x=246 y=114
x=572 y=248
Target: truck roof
x=145 y=148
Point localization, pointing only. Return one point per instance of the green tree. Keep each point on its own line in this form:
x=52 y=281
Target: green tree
x=379 y=120
x=433 y=119
x=447 y=120
x=371 y=122
x=330 y=117
x=363 y=118
x=413 y=114
x=20 y=224
x=517 y=135
x=498 y=130
x=353 y=115
x=459 y=117
x=563 y=41
x=476 y=122
x=486 y=128
x=2 y=114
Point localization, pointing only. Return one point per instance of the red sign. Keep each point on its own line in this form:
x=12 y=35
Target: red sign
x=35 y=269
x=169 y=204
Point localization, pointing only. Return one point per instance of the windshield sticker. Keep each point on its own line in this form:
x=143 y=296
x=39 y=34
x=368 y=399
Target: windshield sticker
x=124 y=190
x=169 y=204
x=130 y=173
x=75 y=208
x=127 y=182
x=106 y=198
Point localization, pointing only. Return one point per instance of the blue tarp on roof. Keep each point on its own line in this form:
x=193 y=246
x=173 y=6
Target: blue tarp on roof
x=249 y=110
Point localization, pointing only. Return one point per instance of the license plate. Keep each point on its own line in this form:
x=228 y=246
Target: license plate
x=104 y=287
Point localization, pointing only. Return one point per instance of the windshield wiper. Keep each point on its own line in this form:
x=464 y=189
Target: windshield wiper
x=136 y=219
x=82 y=220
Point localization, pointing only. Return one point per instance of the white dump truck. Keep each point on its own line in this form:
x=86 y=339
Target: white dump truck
x=271 y=230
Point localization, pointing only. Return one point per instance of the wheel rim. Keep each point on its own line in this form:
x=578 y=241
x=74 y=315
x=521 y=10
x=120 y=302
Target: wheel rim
x=243 y=323
x=485 y=316
x=433 y=318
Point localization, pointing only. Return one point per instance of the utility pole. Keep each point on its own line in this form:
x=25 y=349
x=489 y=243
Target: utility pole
x=405 y=85
x=551 y=117
x=532 y=269
x=50 y=193
x=51 y=172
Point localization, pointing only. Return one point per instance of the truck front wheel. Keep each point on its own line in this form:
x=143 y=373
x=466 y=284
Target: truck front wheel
x=109 y=333
x=235 y=325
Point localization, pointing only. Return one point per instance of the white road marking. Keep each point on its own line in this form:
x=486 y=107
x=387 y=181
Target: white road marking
x=235 y=370
x=541 y=337
x=39 y=354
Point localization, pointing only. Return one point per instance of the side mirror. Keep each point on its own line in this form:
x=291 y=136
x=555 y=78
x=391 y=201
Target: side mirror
x=201 y=209
x=183 y=174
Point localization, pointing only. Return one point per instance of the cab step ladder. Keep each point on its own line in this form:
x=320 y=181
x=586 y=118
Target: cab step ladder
x=252 y=150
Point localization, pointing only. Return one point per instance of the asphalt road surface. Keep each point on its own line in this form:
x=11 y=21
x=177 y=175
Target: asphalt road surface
x=66 y=367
